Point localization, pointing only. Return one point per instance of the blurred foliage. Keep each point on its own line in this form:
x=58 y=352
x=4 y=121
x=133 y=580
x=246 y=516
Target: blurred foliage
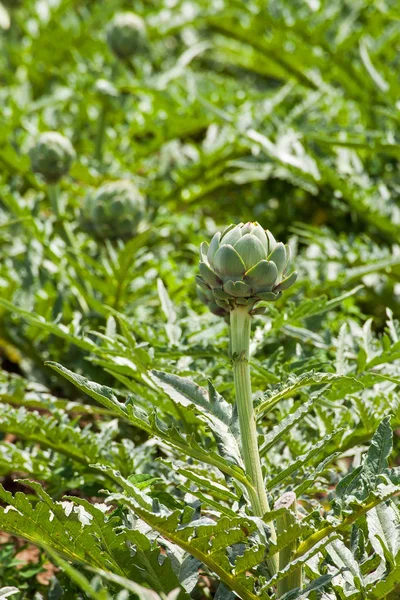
x=283 y=112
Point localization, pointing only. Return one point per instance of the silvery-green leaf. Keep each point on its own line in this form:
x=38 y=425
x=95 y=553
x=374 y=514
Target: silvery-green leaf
x=278 y=256
x=263 y=276
x=259 y=232
x=220 y=294
x=208 y=275
x=203 y=251
x=228 y=264
x=271 y=241
x=222 y=303
x=200 y=281
x=214 y=244
x=238 y=289
x=247 y=227
x=286 y=283
x=242 y=301
x=271 y=296
x=225 y=231
x=233 y=236
x=288 y=258
x=250 y=250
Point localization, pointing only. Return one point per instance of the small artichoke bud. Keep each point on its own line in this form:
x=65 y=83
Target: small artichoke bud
x=52 y=156
x=243 y=265
x=114 y=210
x=126 y=35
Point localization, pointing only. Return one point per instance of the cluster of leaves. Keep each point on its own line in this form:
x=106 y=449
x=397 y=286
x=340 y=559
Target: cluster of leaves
x=281 y=112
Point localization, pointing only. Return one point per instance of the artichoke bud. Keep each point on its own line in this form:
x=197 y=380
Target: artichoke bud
x=52 y=156
x=243 y=265
x=126 y=35
x=115 y=210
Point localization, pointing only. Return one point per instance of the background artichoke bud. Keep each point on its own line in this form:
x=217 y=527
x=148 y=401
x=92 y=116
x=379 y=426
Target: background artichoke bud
x=52 y=156
x=244 y=265
x=114 y=210
x=126 y=34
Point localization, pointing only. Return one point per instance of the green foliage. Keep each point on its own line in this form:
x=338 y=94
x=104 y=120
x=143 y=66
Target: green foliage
x=115 y=382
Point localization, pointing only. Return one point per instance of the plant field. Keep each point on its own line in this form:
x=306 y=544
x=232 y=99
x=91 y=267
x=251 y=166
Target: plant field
x=199 y=300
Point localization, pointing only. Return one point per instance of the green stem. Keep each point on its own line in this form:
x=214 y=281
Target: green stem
x=101 y=129
x=240 y=321
x=53 y=190
x=294 y=579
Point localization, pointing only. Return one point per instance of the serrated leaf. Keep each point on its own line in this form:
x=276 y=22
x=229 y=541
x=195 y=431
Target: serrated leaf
x=384 y=535
x=297 y=562
x=101 y=393
x=301 y=461
x=360 y=482
x=81 y=532
x=58 y=330
x=211 y=406
x=294 y=384
x=349 y=580
x=317 y=584
x=285 y=425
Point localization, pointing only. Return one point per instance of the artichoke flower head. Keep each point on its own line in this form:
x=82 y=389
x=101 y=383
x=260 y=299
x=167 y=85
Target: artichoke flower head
x=243 y=265
x=126 y=35
x=114 y=210
x=52 y=156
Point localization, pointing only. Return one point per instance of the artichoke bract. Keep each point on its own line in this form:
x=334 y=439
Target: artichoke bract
x=243 y=265
x=126 y=34
x=52 y=156
x=114 y=210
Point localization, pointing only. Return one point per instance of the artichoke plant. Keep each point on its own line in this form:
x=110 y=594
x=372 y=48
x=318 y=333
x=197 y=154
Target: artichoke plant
x=244 y=265
x=52 y=156
x=126 y=34
x=114 y=210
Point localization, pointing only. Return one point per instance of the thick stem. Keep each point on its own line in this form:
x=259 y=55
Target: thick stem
x=294 y=579
x=53 y=190
x=240 y=321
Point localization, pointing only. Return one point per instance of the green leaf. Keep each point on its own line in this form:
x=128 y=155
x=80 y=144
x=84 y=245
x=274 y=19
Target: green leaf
x=82 y=533
x=294 y=384
x=360 y=482
x=301 y=461
x=6 y=592
x=58 y=330
x=81 y=581
x=103 y=394
x=349 y=579
x=298 y=562
x=383 y=533
x=317 y=584
x=206 y=540
x=210 y=405
x=286 y=424
x=83 y=446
